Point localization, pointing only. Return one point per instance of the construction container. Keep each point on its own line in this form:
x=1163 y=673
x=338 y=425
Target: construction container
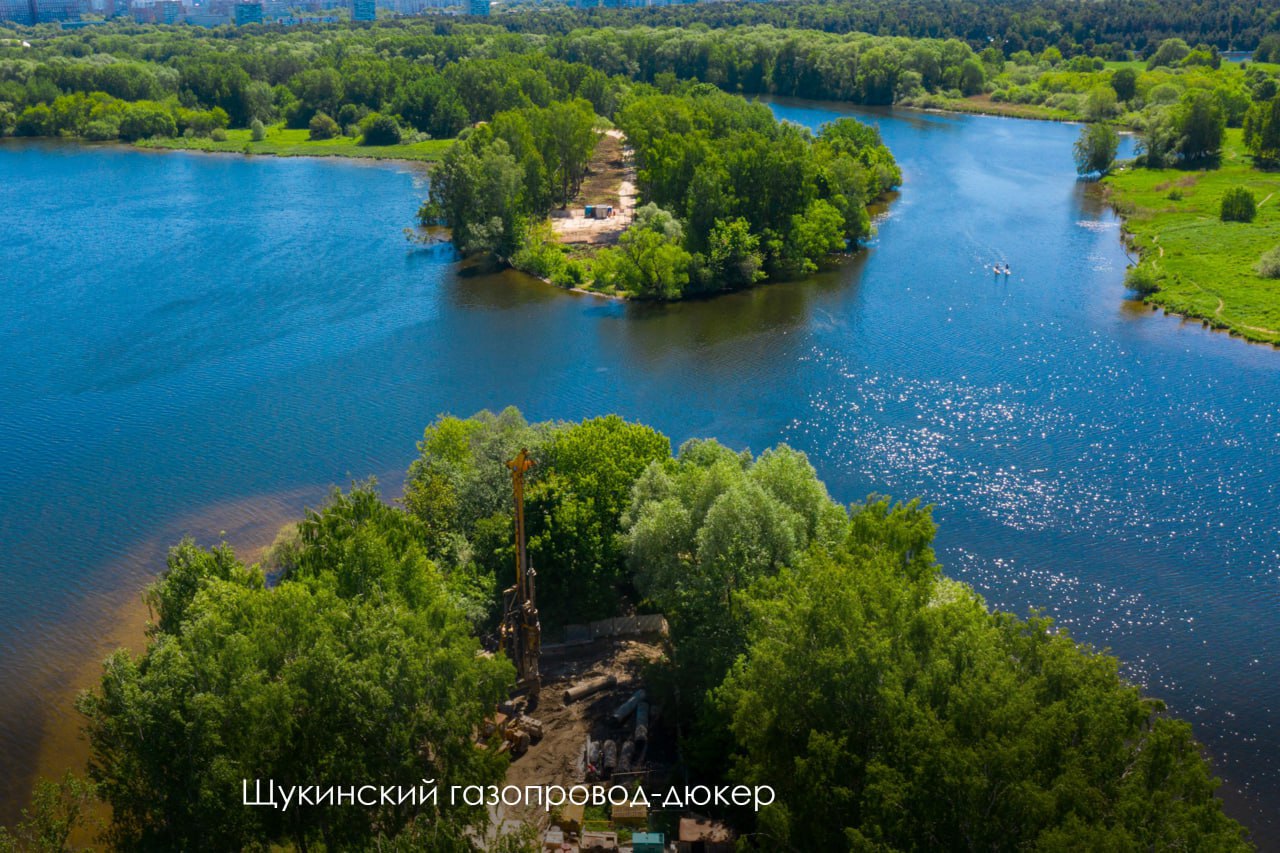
x=571 y=817
x=628 y=814
x=648 y=842
x=599 y=842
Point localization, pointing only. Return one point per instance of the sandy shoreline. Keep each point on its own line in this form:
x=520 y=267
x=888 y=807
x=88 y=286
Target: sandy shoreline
x=249 y=525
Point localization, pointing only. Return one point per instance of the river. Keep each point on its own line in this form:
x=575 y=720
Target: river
x=202 y=344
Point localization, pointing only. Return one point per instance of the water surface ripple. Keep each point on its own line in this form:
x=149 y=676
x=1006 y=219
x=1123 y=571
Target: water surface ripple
x=185 y=338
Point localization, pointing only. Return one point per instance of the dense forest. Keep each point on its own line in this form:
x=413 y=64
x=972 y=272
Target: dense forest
x=1106 y=28
x=814 y=647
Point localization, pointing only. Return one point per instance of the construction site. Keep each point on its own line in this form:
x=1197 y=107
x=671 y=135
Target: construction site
x=582 y=715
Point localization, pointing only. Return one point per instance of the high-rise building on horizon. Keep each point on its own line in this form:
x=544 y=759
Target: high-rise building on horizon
x=248 y=13
x=16 y=11
x=364 y=10
x=29 y=12
x=480 y=8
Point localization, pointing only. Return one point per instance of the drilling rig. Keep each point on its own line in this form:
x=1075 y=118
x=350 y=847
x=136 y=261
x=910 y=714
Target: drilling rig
x=521 y=633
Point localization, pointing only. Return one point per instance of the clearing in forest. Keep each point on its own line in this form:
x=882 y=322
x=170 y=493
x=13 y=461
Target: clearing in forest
x=610 y=180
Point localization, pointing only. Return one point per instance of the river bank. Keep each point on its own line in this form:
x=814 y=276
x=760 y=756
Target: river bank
x=1118 y=470
x=286 y=142
x=121 y=617
x=1204 y=267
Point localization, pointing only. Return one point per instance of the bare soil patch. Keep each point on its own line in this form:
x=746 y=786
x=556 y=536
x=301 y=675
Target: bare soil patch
x=610 y=180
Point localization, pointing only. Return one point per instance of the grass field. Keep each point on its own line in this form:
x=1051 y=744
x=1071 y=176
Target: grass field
x=1206 y=266
x=983 y=105
x=284 y=142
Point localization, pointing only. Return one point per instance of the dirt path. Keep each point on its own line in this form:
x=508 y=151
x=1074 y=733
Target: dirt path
x=611 y=180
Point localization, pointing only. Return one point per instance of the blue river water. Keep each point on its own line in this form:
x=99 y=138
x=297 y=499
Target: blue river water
x=196 y=345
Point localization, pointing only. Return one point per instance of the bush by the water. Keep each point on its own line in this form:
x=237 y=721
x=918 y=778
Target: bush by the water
x=1268 y=265
x=322 y=126
x=1238 y=205
x=1142 y=279
x=380 y=130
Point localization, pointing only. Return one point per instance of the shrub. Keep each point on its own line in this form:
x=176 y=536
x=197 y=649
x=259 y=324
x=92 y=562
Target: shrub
x=102 y=130
x=323 y=126
x=380 y=130
x=1095 y=150
x=1268 y=265
x=218 y=135
x=144 y=121
x=1165 y=93
x=1142 y=279
x=257 y=130
x=352 y=114
x=1174 y=194
x=1238 y=205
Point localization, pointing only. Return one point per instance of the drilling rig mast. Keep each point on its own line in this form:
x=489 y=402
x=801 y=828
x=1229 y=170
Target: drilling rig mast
x=521 y=632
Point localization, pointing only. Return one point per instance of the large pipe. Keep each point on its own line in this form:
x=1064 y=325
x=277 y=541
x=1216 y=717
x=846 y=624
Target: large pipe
x=642 y=723
x=586 y=688
x=608 y=758
x=624 y=710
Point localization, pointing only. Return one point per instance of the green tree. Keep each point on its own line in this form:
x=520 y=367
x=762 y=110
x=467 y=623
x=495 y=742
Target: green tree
x=651 y=261
x=1100 y=104
x=477 y=190
x=1238 y=205
x=322 y=126
x=1201 y=125
x=1170 y=52
x=567 y=138
x=57 y=809
x=701 y=529
x=972 y=77
x=890 y=710
x=1125 y=83
x=1268 y=49
x=379 y=129
x=1262 y=131
x=733 y=254
x=1095 y=149
x=814 y=235
x=144 y=121
x=588 y=470
x=359 y=666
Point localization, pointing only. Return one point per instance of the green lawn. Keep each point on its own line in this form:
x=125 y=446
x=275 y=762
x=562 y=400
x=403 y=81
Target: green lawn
x=283 y=142
x=1207 y=265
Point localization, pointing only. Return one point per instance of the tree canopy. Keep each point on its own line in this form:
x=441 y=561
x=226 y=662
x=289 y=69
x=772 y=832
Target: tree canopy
x=359 y=665
x=815 y=648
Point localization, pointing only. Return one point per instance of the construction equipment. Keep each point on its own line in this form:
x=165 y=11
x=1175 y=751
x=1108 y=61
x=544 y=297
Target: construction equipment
x=516 y=731
x=521 y=633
